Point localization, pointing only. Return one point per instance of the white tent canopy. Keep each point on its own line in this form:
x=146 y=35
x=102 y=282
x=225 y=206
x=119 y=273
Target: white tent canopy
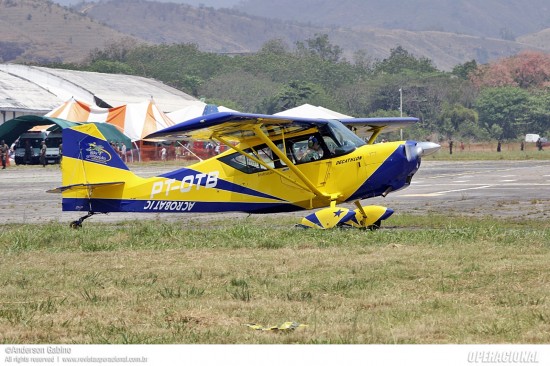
x=197 y=109
x=310 y=111
x=135 y=120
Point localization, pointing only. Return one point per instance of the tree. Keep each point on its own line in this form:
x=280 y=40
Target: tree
x=115 y=51
x=527 y=70
x=111 y=67
x=530 y=69
x=321 y=46
x=400 y=60
x=463 y=70
x=503 y=110
x=246 y=91
x=290 y=96
x=457 y=119
x=538 y=117
x=274 y=46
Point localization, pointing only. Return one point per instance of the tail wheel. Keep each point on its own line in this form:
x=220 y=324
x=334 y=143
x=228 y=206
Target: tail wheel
x=76 y=224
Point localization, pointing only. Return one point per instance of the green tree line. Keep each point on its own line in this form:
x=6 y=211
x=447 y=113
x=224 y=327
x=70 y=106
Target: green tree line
x=503 y=100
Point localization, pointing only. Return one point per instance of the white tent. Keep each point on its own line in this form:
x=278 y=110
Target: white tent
x=197 y=109
x=310 y=111
x=135 y=120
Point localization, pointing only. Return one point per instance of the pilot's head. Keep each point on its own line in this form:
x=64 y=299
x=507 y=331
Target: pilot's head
x=313 y=142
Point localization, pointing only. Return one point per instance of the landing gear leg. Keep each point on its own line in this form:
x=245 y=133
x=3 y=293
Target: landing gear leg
x=362 y=211
x=371 y=217
x=78 y=223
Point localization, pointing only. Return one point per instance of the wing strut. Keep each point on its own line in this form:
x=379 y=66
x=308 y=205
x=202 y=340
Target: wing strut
x=258 y=130
x=375 y=132
x=259 y=161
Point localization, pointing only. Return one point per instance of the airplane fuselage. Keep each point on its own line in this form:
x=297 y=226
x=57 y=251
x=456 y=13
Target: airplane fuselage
x=215 y=186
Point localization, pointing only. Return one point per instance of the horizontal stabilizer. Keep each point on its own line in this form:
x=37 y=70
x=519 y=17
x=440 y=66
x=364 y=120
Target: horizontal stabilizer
x=75 y=187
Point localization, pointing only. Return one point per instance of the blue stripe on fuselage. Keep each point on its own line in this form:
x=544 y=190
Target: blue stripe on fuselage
x=394 y=172
x=117 y=205
x=180 y=174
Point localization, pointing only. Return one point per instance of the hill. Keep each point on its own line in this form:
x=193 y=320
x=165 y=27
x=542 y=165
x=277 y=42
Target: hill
x=213 y=3
x=213 y=30
x=488 y=18
x=539 y=39
x=41 y=31
x=225 y=30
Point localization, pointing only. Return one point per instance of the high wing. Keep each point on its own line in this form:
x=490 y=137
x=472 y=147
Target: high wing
x=237 y=127
x=234 y=127
x=372 y=127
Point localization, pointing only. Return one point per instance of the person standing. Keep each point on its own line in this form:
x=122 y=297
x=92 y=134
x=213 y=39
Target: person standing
x=43 y=150
x=60 y=153
x=28 y=152
x=4 y=151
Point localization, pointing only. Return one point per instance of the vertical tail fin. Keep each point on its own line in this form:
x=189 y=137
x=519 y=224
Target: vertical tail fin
x=88 y=158
x=94 y=176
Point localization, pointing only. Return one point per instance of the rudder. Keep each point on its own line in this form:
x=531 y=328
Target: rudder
x=89 y=158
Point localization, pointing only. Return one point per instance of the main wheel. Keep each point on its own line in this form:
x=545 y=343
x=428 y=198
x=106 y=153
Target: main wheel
x=375 y=226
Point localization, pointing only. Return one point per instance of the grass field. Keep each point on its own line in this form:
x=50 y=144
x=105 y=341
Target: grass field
x=424 y=279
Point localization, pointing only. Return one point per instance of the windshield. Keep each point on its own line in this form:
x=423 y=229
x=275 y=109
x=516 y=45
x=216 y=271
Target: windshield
x=53 y=141
x=32 y=142
x=345 y=137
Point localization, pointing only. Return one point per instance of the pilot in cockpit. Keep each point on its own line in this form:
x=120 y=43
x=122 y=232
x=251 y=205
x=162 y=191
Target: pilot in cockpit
x=314 y=150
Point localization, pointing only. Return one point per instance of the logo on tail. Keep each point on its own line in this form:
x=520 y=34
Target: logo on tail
x=97 y=154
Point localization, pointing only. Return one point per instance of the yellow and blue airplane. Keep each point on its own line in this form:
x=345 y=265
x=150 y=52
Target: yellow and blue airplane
x=275 y=164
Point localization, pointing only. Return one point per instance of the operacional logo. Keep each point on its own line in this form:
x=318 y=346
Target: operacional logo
x=97 y=154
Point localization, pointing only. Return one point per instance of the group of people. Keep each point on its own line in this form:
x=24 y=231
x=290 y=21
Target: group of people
x=183 y=149
x=6 y=152
x=120 y=149
x=451 y=145
x=180 y=151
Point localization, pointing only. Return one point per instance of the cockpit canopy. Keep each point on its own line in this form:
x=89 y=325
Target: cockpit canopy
x=334 y=139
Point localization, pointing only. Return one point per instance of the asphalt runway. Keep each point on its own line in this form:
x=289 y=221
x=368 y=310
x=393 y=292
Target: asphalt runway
x=497 y=188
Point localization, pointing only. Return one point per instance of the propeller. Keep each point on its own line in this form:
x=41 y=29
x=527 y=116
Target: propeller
x=427 y=148
x=414 y=149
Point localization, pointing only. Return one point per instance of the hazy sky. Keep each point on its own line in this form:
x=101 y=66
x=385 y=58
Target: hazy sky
x=213 y=3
